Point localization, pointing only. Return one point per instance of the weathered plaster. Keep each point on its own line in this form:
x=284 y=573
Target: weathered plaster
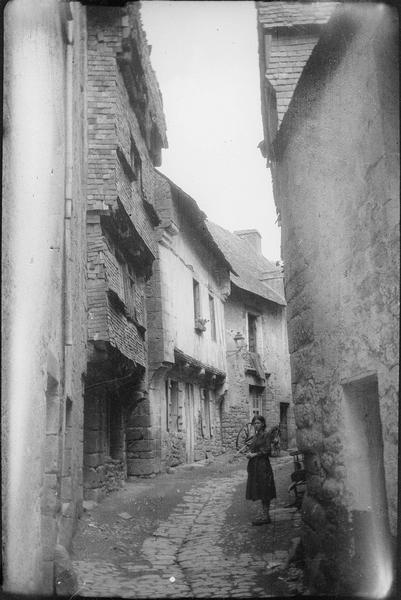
x=42 y=453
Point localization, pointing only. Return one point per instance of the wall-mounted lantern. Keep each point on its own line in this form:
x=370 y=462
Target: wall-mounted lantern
x=239 y=340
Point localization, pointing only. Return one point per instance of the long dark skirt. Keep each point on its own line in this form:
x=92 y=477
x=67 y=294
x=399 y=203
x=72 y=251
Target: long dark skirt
x=260 y=484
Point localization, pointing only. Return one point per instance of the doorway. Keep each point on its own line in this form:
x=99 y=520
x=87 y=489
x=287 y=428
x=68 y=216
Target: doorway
x=284 y=424
x=189 y=422
x=365 y=480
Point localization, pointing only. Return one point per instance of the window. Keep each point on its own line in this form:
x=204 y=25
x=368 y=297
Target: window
x=256 y=394
x=212 y=318
x=196 y=294
x=128 y=278
x=136 y=163
x=252 y=347
x=121 y=279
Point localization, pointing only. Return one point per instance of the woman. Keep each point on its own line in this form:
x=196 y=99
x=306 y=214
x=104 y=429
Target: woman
x=260 y=484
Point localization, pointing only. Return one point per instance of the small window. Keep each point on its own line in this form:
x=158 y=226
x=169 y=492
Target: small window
x=196 y=294
x=129 y=290
x=252 y=346
x=256 y=400
x=212 y=318
x=136 y=163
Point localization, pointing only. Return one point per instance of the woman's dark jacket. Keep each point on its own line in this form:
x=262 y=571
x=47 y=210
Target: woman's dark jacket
x=260 y=485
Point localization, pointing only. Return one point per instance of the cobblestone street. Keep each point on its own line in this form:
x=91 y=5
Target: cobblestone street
x=188 y=534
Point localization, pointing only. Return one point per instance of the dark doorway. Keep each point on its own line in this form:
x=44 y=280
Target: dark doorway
x=284 y=424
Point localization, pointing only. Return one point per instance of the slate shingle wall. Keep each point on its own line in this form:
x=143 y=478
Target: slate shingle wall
x=289 y=14
x=112 y=123
x=289 y=54
x=294 y=28
x=125 y=335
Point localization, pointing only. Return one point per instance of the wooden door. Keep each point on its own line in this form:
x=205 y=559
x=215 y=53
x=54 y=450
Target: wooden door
x=189 y=422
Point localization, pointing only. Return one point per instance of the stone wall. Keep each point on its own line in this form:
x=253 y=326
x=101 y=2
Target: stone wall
x=105 y=466
x=142 y=458
x=340 y=228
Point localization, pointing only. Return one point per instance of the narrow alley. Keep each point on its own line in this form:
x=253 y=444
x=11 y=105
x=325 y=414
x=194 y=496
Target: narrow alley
x=188 y=533
x=200 y=258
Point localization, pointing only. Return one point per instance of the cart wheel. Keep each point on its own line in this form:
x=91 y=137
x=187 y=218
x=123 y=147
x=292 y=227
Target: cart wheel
x=244 y=434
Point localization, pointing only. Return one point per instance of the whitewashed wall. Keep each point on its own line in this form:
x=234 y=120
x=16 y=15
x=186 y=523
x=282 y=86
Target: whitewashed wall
x=179 y=265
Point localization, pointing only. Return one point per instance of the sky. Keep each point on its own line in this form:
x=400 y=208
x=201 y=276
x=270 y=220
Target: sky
x=205 y=56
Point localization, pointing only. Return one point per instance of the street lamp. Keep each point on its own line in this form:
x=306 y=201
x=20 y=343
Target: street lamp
x=239 y=340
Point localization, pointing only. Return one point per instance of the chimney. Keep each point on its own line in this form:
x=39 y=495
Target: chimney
x=253 y=237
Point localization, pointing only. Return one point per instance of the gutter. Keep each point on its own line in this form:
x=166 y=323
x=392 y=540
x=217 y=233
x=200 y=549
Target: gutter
x=68 y=191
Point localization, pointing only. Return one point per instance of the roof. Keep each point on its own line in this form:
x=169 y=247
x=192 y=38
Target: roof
x=154 y=95
x=196 y=217
x=248 y=264
x=289 y=14
x=294 y=29
x=324 y=59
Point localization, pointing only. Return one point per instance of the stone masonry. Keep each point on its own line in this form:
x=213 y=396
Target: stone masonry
x=340 y=228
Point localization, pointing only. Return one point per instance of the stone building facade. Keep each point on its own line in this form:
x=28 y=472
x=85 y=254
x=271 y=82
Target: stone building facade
x=335 y=167
x=43 y=284
x=258 y=362
x=187 y=359
x=126 y=131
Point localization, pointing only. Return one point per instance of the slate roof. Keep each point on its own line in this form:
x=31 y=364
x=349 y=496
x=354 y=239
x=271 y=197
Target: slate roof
x=247 y=263
x=288 y=14
x=196 y=217
x=154 y=94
